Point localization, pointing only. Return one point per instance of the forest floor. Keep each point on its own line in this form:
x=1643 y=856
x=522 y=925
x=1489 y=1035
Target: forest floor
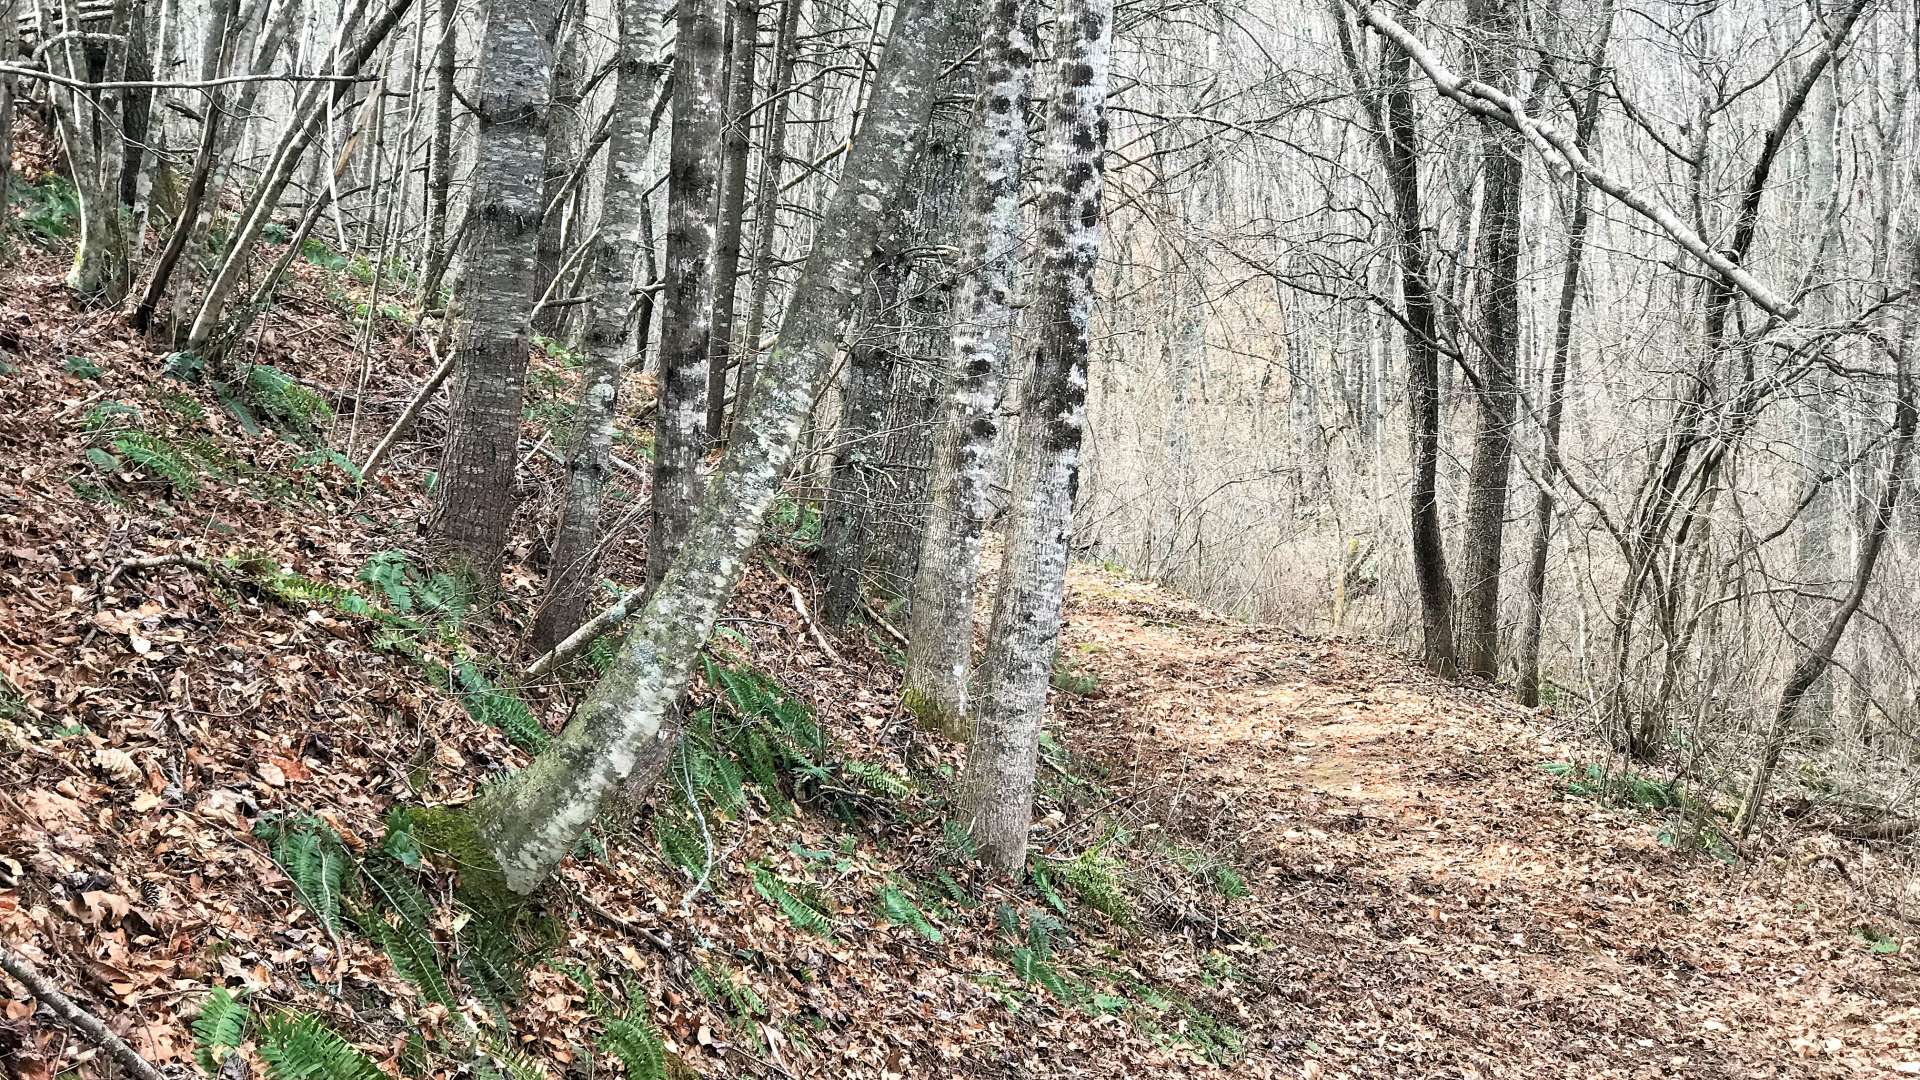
x=1259 y=855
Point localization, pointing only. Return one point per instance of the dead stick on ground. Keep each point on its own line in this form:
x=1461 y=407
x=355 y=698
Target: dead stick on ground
x=806 y=616
x=407 y=414
x=881 y=621
x=81 y=1020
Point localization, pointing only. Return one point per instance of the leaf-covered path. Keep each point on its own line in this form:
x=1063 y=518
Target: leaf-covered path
x=1429 y=902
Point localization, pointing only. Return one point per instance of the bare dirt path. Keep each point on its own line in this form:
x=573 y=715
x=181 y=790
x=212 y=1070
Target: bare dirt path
x=1427 y=901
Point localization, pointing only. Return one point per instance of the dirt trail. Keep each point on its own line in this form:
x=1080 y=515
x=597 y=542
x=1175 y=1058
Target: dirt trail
x=1427 y=903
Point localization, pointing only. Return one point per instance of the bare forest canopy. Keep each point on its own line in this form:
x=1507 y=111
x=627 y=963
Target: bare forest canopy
x=640 y=427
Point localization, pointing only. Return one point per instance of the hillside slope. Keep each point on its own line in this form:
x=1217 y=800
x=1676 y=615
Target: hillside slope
x=244 y=693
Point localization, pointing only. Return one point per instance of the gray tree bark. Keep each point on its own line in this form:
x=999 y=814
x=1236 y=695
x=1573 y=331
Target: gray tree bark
x=733 y=204
x=532 y=821
x=996 y=789
x=475 y=493
x=940 y=649
x=693 y=180
x=846 y=527
x=616 y=299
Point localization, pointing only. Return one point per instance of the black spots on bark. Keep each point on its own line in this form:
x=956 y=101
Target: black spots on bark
x=983 y=429
x=1077 y=74
x=1089 y=213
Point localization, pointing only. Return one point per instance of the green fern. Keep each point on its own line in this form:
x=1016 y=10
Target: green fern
x=219 y=1029
x=160 y=458
x=878 y=779
x=314 y=859
x=413 y=956
x=297 y=1046
x=900 y=910
x=281 y=398
x=500 y=709
x=797 y=911
x=1095 y=878
x=637 y=1045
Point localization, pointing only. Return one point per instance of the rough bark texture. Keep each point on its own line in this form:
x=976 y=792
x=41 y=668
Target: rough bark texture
x=475 y=493
x=1496 y=398
x=566 y=133
x=940 y=649
x=733 y=203
x=766 y=214
x=693 y=180
x=533 y=821
x=89 y=132
x=440 y=163
x=847 y=520
x=608 y=339
x=997 y=785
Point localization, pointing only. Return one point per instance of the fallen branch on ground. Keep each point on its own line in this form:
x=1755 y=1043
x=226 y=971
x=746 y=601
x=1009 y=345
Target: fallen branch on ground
x=80 y=1019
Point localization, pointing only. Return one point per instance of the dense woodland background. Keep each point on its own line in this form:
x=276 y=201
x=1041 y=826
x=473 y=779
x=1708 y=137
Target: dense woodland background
x=1564 y=347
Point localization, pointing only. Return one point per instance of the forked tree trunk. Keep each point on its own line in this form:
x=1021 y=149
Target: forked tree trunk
x=1496 y=398
x=940 y=641
x=609 y=342
x=693 y=181
x=475 y=493
x=997 y=786
x=532 y=821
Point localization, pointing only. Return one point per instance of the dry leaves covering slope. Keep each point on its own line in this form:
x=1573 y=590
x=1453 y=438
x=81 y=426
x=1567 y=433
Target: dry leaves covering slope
x=1262 y=856
x=1436 y=905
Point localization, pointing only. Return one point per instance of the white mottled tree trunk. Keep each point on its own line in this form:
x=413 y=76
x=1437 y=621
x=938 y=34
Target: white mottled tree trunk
x=940 y=652
x=608 y=341
x=532 y=821
x=997 y=786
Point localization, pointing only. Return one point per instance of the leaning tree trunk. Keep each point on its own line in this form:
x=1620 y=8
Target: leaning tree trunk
x=609 y=342
x=1820 y=653
x=997 y=786
x=693 y=181
x=475 y=500
x=940 y=644
x=733 y=203
x=531 y=822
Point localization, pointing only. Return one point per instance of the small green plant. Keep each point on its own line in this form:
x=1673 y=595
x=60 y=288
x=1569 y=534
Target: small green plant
x=313 y=857
x=82 y=367
x=1600 y=784
x=185 y=366
x=281 y=398
x=1096 y=878
x=1069 y=678
x=159 y=458
x=219 y=1029
x=499 y=708
x=799 y=911
x=316 y=252
x=298 y=1046
x=49 y=210
x=899 y=909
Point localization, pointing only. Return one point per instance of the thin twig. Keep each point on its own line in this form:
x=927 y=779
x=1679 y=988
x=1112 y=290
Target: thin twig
x=81 y=1020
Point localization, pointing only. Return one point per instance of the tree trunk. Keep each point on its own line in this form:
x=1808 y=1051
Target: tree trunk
x=1496 y=399
x=846 y=529
x=440 y=159
x=940 y=641
x=1528 y=690
x=997 y=785
x=565 y=137
x=693 y=179
x=766 y=214
x=608 y=341
x=475 y=493
x=733 y=204
x=532 y=821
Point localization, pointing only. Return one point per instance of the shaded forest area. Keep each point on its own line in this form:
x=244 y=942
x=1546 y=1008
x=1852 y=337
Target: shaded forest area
x=924 y=538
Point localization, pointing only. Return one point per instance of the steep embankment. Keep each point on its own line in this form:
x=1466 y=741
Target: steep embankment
x=245 y=693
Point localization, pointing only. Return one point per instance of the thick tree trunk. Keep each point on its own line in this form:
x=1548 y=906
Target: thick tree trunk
x=475 y=493
x=940 y=648
x=997 y=785
x=846 y=528
x=609 y=342
x=693 y=180
x=1496 y=398
x=532 y=822
x=733 y=204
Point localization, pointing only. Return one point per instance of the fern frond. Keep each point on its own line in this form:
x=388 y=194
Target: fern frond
x=219 y=1029
x=314 y=859
x=297 y=1046
x=900 y=910
x=633 y=1041
x=797 y=911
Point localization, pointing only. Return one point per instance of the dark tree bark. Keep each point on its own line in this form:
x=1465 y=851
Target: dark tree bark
x=1496 y=397
x=847 y=520
x=475 y=492
x=693 y=178
x=733 y=205
x=440 y=157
